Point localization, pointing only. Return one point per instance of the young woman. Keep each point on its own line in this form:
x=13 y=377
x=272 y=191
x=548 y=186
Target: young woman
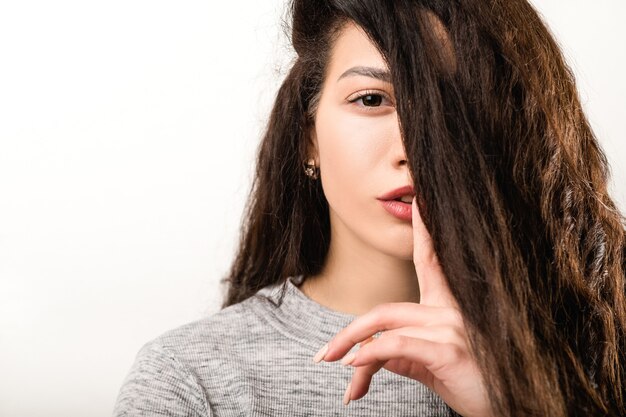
x=431 y=207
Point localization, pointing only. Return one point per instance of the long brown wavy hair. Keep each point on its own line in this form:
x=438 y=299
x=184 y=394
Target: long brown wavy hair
x=511 y=183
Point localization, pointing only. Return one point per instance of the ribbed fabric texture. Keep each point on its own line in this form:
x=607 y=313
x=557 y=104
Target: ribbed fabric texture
x=255 y=359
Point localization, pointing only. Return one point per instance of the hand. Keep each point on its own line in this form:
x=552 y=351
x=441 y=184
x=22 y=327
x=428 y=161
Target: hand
x=425 y=341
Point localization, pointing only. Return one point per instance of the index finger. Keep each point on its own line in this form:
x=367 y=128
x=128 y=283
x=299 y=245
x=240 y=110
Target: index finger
x=433 y=284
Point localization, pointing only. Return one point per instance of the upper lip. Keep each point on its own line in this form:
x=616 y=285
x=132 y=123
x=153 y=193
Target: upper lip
x=398 y=192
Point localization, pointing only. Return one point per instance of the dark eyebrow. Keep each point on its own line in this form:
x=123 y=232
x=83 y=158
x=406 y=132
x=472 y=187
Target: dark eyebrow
x=378 y=73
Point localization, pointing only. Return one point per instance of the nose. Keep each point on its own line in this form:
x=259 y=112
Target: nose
x=398 y=154
x=399 y=159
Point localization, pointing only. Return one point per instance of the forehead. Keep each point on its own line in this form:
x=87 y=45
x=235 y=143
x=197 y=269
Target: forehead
x=353 y=48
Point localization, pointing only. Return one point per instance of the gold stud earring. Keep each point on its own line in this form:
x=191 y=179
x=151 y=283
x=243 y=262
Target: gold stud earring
x=310 y=169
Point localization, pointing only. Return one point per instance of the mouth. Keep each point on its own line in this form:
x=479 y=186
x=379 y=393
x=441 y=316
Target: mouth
x=408 y=199
x=398 y=202
x=398 y=209
x=403 y=194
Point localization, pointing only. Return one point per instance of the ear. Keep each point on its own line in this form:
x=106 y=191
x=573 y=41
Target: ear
x=312 y=145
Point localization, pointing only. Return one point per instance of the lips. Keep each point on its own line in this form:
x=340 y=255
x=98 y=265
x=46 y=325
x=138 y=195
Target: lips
x=398 y=209
x=392 y=202
x=407 y=190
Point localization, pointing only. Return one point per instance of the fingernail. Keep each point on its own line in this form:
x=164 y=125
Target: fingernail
x=321 y=353
x=347 y=360
x=346 y=395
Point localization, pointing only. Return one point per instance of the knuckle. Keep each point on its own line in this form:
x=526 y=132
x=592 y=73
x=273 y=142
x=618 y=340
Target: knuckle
x=458 y=333
x=431 y=260
x=454 y=316
x=452 y=334
x=400 y=342
x=427 y=259
x=379 y=312
x=454 y=353
x=367 y=372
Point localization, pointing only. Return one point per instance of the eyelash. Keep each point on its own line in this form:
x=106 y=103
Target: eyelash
x=370 y=93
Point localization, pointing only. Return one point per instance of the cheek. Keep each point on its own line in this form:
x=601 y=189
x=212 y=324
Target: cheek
x=350 y=149
x=354 y=152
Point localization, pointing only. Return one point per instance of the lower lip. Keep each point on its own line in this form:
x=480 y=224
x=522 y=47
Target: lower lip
x=398 y=209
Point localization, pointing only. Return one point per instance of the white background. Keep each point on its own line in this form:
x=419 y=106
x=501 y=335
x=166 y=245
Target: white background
x=127 y=138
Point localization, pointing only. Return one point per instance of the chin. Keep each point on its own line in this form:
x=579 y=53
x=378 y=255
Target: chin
x=403 y=254
x=398 y=242
x=400 y=249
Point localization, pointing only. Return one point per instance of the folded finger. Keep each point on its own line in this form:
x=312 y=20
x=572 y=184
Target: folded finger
x=432 y=355
x=366 y=341
x=387 y=316
x=448 y=334
x=361 y=380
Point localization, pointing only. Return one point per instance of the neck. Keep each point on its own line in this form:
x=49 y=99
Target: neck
x=356 y=277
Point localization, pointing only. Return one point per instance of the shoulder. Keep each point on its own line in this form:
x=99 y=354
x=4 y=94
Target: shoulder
x=174 y=372
x=219 y=333
x=160 y=383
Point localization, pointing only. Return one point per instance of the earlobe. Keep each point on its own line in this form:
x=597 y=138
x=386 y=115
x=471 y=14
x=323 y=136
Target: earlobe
x=311 y=165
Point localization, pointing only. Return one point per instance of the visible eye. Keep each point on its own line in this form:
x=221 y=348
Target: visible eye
x=371 y=99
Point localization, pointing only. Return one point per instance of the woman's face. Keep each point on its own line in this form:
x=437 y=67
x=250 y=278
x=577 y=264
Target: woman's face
x=359 y=149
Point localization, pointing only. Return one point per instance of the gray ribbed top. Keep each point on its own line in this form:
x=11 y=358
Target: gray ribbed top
x=255 y=359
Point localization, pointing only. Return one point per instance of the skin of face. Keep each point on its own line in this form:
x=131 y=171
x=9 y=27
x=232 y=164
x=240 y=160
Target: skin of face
x=359 y=150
